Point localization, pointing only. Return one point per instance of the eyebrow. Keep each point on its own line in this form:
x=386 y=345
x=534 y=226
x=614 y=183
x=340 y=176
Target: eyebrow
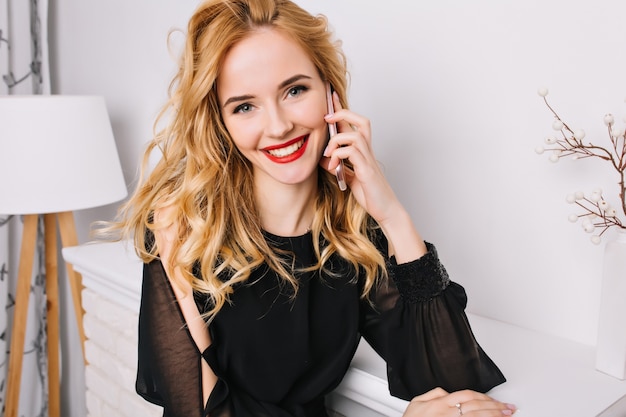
x=282 y=85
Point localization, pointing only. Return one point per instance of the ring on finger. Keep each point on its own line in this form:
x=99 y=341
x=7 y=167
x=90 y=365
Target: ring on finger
x=458 y=407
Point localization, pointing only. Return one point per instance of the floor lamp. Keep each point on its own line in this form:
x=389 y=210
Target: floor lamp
x=57 y=155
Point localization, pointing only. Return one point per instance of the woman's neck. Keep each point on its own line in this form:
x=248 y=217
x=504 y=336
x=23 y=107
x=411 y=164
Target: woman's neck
x=286 y=210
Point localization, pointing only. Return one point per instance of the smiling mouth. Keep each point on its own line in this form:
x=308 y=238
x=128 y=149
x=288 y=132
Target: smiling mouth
x=287 y=150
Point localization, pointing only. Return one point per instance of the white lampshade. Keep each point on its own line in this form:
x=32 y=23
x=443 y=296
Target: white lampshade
x=57 y=154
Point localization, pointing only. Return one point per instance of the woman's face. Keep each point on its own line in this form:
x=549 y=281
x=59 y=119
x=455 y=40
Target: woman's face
x=273 y=105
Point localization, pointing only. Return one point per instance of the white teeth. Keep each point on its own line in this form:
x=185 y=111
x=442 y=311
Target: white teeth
x=282 y=152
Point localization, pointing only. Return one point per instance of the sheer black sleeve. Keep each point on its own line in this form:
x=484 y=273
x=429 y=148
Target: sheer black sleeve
x=417 y=324
x=168 y=371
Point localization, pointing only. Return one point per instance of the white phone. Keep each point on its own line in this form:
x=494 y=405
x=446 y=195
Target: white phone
x=332 y=130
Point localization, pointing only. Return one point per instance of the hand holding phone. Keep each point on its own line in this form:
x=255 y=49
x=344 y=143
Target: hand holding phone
x=332 y=129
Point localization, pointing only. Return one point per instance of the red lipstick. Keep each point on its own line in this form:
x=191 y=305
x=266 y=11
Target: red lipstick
x=288 y=151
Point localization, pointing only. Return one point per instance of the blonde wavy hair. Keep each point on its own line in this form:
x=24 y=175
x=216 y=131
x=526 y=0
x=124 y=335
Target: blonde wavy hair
x=209 y=182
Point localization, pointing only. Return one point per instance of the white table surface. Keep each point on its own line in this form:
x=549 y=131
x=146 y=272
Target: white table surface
x=546 y=375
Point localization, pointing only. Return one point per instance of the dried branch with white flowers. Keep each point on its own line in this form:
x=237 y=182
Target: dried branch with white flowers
x=597 y=212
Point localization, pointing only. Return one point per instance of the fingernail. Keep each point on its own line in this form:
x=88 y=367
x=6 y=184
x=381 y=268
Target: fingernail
x=328 y=116
x=511 y=407
x=507 y=412
x=326 y=152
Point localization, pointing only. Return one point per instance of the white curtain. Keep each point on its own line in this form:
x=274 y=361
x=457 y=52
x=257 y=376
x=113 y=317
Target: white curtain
x=24 y=70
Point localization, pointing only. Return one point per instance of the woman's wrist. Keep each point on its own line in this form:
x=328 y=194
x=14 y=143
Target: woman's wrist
x=405 y=243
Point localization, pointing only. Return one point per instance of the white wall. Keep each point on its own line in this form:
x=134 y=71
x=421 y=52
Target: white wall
x=450 y=87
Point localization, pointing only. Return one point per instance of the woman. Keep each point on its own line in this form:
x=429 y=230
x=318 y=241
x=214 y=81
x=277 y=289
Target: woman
x=260 y=274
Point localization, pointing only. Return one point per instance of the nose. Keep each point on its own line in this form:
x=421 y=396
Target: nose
x=278 y=122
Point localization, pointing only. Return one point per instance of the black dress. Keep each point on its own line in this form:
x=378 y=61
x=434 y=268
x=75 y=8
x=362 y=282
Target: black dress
x=279 y=356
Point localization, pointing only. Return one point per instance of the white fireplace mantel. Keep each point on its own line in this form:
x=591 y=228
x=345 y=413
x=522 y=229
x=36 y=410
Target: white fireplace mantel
x=547 y=376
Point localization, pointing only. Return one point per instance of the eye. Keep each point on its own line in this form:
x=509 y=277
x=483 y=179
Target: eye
x=243 y=108
x=295 y=91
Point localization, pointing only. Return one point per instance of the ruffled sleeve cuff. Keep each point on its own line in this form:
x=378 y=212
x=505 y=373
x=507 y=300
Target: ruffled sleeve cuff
x=419 y=280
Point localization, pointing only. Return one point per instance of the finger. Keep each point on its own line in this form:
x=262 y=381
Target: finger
x=351 y=140
x=341 y=141
x=330 y=163
x=471 y=402
x=484 y=408
x=348 y=120
x=340 y=147
x=358 y=160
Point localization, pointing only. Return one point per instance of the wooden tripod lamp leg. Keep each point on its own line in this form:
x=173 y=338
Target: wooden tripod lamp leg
x=52 y=314
x=69 y=238
x=20 y=317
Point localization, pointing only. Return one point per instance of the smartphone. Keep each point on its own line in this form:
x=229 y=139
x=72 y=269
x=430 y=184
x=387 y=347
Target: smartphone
x=332 y=130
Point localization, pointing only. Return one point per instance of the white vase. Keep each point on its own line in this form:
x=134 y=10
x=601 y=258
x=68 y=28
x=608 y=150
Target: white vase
x=611 y=346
